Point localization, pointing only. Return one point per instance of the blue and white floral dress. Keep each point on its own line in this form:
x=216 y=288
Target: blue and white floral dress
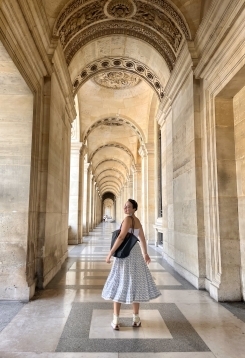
x=130 y=279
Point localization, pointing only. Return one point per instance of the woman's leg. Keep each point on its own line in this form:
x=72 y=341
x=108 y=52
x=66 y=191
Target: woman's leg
x=116 y=312
x=136 y=307
x=116 y=308
x=136 y=318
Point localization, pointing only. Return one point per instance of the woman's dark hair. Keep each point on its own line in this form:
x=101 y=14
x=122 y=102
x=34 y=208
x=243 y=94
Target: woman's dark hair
x=134 y=203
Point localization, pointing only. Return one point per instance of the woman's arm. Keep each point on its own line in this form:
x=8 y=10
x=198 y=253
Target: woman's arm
x=144 y=246
x=126 y=225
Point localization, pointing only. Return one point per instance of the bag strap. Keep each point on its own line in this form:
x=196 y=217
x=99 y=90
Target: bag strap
x=132 y=224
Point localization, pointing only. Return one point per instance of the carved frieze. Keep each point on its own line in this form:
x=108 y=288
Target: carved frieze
x=120 y=27
x=131 y=66
x=155 y=22
x=117 y=79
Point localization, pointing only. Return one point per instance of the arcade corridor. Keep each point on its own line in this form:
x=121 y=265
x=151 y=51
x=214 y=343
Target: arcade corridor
x=69 y=319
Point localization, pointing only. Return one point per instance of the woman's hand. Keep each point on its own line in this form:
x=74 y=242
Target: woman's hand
x=147 y=258
x=108 y=258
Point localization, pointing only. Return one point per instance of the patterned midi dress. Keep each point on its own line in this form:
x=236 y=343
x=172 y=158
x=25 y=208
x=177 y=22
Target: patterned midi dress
x=130 y=279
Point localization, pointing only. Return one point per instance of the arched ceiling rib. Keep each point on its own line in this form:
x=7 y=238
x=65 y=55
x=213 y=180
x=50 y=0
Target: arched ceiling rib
x=115 y=121
x=110 y=181
x=113 y=160
x=121 y=177
x=125 y=64
x=157 y=23
x=112 y=145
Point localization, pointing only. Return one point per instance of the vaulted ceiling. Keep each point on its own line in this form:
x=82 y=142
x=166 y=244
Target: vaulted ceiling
x=120 y=54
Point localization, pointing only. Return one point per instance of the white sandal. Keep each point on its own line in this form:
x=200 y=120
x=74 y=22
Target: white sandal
x=115 y=323
x=136 y=321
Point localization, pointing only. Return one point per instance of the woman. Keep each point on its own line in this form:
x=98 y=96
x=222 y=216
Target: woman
x=130 y=280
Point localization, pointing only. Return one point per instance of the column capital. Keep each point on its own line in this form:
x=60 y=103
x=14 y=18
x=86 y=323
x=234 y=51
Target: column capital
x=76 y=147
x=142 y=151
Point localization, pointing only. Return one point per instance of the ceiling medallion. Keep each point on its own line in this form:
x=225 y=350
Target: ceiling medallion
x=120 y=9
x=117 y=79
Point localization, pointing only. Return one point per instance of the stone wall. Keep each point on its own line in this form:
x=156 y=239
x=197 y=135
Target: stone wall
x=239 y=130
x=16 y=118
x=56 y=208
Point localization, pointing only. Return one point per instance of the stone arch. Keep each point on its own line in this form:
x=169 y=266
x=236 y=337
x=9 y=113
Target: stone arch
x=115 y=145
x=110 y=187
x=108 y=169
x=116 y=121
x=124 y=64
x=161 y=25
x=109 y=181
x=113 y=160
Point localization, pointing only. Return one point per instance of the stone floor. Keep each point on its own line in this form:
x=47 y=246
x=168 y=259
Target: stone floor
x=69 y=319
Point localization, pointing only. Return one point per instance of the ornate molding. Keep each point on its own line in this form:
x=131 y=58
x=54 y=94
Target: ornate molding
x=120 y=8
x=120 y=64
x=117 y=28
x=114 y=121
x=117 y=79
x=155 y=22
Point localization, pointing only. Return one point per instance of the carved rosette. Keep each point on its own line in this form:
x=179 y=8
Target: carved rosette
x=117 y=79
x=120 y=9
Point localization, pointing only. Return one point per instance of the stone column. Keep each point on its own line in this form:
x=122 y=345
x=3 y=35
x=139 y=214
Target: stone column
x=130 y=186
x=88 y=199
x=75 y=195
x=137 y=189
x=148 y=191
x=85 y=196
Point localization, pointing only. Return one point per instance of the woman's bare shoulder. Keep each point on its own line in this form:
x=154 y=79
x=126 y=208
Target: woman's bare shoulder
x=137 y=223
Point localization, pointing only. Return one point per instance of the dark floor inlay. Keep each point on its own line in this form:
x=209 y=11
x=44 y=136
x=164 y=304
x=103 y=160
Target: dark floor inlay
x=8 y=311
x=75 y=336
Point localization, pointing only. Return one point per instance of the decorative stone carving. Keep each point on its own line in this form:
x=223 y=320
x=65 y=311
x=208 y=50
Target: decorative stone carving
x=117 y=79
x=119 y=63
x=162 y=5
x=120 y=8
x=121 y=27
x=82 y=18
x=160 y=24
x=114 y=121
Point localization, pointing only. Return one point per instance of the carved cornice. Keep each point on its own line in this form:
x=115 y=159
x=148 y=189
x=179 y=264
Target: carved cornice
x=115 y=121
x=156 y=22
x=119 y=63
